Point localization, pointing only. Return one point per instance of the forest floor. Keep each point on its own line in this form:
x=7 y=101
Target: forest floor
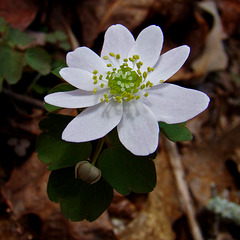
x=209 y=165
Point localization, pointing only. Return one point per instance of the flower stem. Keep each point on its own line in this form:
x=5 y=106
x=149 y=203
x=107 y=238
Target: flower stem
x=98 y=150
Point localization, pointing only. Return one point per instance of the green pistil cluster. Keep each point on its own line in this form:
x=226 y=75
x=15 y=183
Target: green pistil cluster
x=124 y=83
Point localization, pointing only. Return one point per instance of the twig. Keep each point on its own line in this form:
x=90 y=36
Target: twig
x=185 y=198
x=106 y=17
x=22 y=98
x=108 y=14
x=71 y=37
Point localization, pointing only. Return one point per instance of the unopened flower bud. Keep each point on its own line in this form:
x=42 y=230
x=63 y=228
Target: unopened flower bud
x=87 y=172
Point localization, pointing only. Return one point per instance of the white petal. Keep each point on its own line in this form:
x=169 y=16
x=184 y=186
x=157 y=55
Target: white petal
x=138 y=130
x=74 y=99
x=119 y=40
x=85 y=59
x=94 y=122
x=79 y=78
x=148 y=46
x=168 y=64
x=174 y=104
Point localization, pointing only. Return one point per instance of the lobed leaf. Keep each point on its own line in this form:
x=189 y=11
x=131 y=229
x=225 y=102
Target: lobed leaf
x=175 y=132
x=19 y=38
x=78 y=199
x=38 y=59
x=11 y=64
x=126 y=172
x=54 y=151
x=56 y=70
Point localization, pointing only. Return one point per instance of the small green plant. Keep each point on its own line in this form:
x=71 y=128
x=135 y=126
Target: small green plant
x=18 y=50
x=123 y=103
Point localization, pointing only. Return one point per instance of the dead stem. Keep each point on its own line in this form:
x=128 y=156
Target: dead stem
x=25 y=99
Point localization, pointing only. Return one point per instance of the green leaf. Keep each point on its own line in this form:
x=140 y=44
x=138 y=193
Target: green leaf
x=3 y=25
x=59 y=38
x=19 y=38
x=56 y=70
x=78 y=200
x=112 y=138
x=11 y=64
x=55 y=152
x=56 y=36
x=175 y=132
x=40 y=89
x=39 y=60
x=63 y=87
x=1 y=83
x=65 y=46
x=126 y=172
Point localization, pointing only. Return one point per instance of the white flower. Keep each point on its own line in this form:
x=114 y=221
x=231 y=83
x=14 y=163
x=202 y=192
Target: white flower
x=124 y=88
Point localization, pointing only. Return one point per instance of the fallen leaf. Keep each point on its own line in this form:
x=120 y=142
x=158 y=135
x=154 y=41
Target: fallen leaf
x=97 y=15
x=19 y=13
x=25 y=193
x=205 y=164
x=152 y=222
x=230 y=14
x=213 y=57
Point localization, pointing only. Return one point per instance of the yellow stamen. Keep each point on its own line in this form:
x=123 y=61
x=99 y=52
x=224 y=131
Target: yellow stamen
x=145 y=75
x=131 y=59
x=136 y=57
x=106 y=97
x=150 y=69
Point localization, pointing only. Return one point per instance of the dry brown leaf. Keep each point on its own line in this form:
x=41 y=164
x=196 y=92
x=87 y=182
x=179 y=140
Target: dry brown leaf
x=167 y=185
x=100 y=229
x=26 y=189
x=205 y=164
x=19 y=13
x=97 y=15
x=230 y=15
x=152 y=222
x=25 y=193
x=213 y=57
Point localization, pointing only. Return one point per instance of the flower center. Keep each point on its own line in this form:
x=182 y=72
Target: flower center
x=125 y=81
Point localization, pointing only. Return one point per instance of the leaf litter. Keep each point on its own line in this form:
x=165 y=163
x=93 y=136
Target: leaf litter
x=210 y=160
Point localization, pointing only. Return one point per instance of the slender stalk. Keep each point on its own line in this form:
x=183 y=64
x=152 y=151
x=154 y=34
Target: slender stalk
x=25 y=99
x=33 y=83
x=98 y=150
